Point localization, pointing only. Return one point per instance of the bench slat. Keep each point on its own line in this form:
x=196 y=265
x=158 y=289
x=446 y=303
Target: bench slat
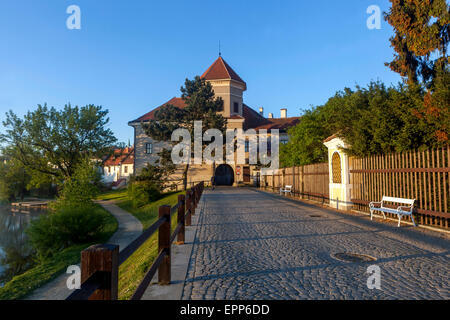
x=398 y=200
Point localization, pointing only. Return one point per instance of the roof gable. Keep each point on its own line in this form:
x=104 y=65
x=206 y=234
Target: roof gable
x=221 y=70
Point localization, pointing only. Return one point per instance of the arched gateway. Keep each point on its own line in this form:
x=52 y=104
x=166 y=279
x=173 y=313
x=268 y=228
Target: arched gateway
x=224 y=175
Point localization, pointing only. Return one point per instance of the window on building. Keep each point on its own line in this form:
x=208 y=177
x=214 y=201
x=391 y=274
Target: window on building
x=336 y=167
x=149 y=148
x=236 y=107
x=125 y=169
x=247 y=145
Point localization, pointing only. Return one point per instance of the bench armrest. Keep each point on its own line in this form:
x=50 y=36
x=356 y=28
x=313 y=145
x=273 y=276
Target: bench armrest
x=408 y=208
x=373 y=203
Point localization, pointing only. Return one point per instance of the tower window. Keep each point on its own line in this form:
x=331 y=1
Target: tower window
x=236 y=107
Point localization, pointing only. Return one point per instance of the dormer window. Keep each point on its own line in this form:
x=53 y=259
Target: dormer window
x=236 y=107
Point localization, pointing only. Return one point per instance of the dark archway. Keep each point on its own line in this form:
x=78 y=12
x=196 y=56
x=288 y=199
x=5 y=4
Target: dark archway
x=224 y=175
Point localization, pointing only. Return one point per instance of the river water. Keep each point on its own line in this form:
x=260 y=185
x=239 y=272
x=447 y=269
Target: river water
x=15 y=250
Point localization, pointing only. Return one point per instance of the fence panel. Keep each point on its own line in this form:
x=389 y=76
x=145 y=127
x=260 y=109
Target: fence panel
x=308 y=182
x=420 y=175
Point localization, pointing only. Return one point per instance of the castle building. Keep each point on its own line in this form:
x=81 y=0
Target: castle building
x=228 y=85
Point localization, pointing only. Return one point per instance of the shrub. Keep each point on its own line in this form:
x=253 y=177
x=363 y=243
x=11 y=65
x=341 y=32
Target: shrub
x=80 y=188
x=68 y=226
x=141 y=193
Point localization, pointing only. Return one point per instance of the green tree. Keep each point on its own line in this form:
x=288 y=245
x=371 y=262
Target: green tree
x=201 y=105
x=79 y=189
x=305 y=144
x=372 y=120
x=53 y=142
x=14 y=180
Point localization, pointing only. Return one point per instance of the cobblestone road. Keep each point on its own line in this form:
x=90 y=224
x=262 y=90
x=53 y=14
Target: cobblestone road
x=255 y=245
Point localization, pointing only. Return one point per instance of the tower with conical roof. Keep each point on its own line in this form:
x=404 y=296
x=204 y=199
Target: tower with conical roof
x=228 y=85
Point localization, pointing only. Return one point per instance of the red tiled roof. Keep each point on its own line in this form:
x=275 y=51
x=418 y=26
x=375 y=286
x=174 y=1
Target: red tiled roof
x=120 y=156
x=177 y=102
x=280 y=123
x=252 y=119
x=221 y=70
x=330 y=138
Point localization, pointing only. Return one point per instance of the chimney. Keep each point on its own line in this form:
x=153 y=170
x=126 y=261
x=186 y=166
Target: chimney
x=261 y=111
x=270 y=115
x=283 y=113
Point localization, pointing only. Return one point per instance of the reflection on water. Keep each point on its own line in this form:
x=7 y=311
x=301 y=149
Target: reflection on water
x=15 y=251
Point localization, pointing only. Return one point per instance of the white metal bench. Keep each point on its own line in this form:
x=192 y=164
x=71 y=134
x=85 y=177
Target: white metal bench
x=287 y=189
x=406 y=210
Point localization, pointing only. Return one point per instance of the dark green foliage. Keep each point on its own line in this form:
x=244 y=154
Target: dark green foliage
x=305 y=145
x=71 y=225
x=74 y=218
x=16 y=261
x=152 y=181
x=201 y=105
x=372 y=120
x=53 y=142
x=80 y=188
x=14 y=180
x=141 y=193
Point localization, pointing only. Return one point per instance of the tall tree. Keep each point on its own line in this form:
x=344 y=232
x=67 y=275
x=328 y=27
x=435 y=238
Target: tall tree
x=14 y=180
x=372 y=120
x=421 y=38
x=201 y=105
x=435 y=109
x=53 y=142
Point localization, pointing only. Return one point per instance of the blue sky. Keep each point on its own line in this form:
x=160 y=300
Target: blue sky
x=131 y=56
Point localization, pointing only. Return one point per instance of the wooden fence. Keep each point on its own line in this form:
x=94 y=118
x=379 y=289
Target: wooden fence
x=100 y=263
x=308 y=182
x=420 y=175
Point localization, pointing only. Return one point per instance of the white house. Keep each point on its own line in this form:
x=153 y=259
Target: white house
x=119 y=165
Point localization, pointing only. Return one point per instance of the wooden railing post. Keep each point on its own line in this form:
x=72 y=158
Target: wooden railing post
x=104 y=260
x=188 y=207
x=194 y=200
x=181 y=218
x=164 y=244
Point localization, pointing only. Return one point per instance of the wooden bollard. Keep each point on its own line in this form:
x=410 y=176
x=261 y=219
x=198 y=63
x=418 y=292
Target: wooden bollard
x=181 y=211
x=164 y=244
x=104 y=259
x=188 y=207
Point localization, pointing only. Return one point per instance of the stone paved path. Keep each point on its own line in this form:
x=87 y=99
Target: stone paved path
x=129 y=228
x=255 y=245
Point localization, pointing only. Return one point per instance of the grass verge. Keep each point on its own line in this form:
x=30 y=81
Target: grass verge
x=22 y=285
x=132 y=271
